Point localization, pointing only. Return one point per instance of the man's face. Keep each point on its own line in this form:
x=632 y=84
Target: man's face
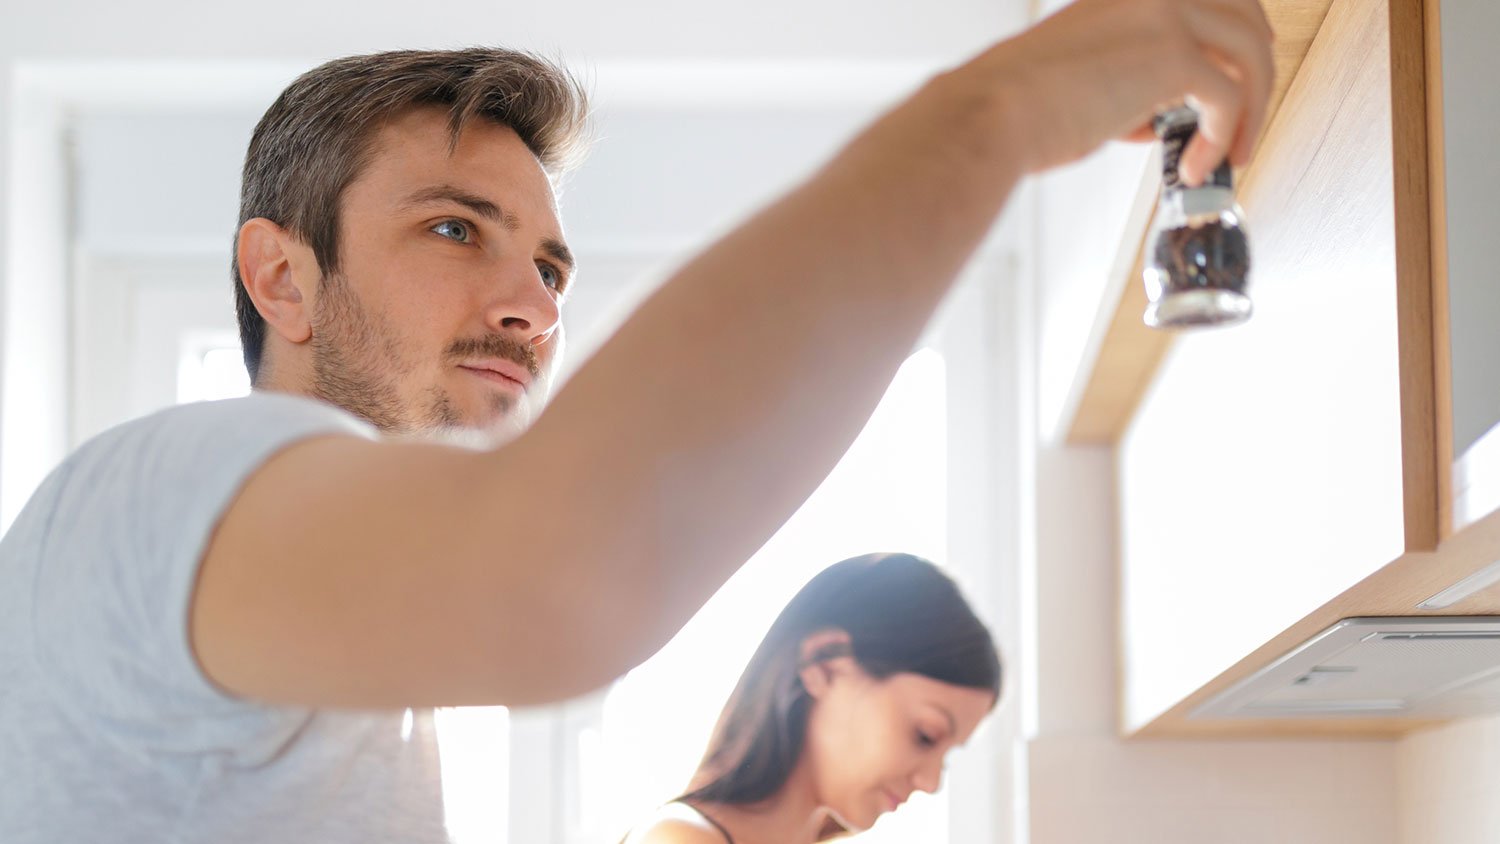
x=446 y=310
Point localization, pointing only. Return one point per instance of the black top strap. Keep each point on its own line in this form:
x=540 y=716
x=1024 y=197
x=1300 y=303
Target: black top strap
x=715 y=824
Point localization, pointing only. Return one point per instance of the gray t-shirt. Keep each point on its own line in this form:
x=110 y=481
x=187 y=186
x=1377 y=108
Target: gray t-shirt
x=109 y=730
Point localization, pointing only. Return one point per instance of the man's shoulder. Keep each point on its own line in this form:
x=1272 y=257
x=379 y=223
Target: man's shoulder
x=165 y=479
x=257 y=407
x=190 y=450
x=259 y=416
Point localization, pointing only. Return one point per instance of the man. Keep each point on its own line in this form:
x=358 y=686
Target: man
x=213 y=620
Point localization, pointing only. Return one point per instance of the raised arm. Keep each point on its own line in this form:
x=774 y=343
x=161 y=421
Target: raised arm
x=368 y=574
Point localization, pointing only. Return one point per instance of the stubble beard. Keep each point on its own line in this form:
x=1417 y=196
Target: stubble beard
x=358 y=364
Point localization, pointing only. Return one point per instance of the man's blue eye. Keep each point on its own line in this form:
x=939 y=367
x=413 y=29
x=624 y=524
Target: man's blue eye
x=453 y=230
x=550 y=276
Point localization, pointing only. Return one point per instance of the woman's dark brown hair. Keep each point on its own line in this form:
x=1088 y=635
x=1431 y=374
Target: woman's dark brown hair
x=902 y=614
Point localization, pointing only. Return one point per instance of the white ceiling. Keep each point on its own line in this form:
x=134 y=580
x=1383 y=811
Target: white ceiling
x=584 y=30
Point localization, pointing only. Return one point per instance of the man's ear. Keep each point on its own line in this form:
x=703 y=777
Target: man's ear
x=265 y=254
x=823 y=657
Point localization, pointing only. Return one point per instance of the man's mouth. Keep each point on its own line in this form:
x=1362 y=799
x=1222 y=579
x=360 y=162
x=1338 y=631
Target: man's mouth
x=504 y=373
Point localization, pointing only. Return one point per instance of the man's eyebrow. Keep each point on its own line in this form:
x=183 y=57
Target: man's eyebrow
x=559 y=252
x=474 y=202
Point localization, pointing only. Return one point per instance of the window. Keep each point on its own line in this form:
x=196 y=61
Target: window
x=212 y=370
x=474 y=743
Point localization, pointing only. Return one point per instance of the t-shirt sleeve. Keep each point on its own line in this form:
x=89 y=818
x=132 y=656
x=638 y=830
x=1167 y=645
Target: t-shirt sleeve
x=130 y=518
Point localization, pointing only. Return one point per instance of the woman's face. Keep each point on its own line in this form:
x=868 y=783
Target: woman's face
x=872 y=742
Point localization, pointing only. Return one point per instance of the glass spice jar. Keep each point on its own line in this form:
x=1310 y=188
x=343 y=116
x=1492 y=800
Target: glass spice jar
x=1197 y=260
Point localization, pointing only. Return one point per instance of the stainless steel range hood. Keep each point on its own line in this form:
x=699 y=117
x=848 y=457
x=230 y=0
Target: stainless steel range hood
x=1427 y=667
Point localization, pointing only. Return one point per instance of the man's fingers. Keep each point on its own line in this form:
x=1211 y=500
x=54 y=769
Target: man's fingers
x=1250 y=13
x=1112 y=60
x=1244 y=52
x=1220 y=102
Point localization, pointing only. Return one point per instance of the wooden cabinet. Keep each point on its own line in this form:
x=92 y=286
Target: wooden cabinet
x=1278 y=476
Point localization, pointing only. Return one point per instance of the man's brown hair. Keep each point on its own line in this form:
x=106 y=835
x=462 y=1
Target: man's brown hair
x=318 y=136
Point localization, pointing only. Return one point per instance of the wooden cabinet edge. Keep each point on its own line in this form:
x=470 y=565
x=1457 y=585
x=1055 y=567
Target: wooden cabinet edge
x=1418 y=335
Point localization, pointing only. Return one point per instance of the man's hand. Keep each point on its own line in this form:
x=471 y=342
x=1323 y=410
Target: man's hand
x=1099 y=69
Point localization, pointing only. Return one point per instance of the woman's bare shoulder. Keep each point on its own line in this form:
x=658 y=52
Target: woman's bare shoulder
x=675 y=831
x=675 y=824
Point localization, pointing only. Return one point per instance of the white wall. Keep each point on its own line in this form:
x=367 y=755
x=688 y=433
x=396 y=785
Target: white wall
x=34 y=220
x=656 y=180
x=1449 y=782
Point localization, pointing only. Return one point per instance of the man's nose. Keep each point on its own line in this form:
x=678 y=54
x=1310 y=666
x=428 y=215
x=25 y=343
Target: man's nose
x=523 y=305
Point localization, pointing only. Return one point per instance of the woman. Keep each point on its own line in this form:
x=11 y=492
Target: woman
x=869 y=676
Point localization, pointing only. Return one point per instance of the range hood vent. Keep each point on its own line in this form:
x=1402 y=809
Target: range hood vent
x=1420 y=667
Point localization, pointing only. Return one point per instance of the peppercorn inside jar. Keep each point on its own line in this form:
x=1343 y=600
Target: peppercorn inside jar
x=1197 y=262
